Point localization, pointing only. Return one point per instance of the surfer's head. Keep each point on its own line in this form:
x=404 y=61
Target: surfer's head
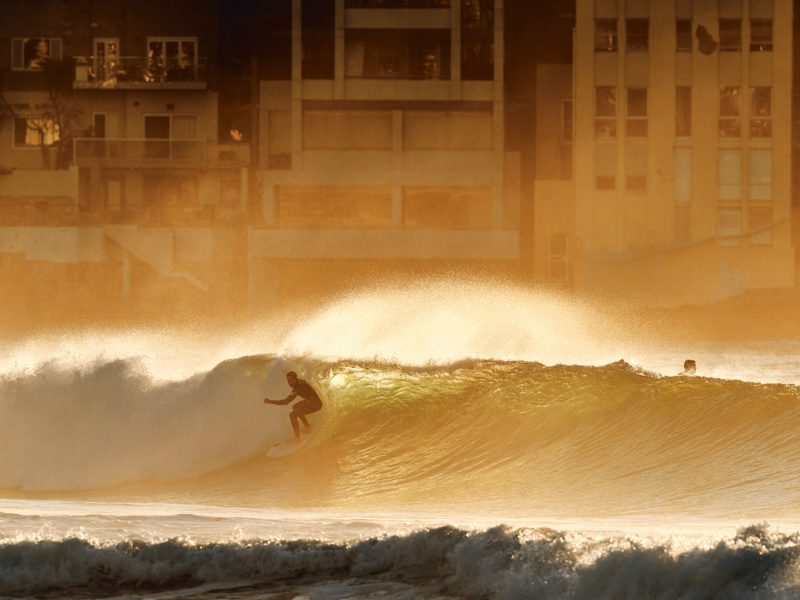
x=291 y=377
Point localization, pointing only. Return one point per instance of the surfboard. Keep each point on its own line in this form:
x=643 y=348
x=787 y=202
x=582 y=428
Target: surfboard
x=285 y=448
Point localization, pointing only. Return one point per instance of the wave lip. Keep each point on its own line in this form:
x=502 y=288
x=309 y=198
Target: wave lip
x=495 y=563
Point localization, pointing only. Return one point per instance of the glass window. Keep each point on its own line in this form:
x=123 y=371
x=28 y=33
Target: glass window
x=35 y=131
x=477 y=40
x=31 y=54
x=406 y=54
x=171 y=59
x=729 y=121
x=761 y=35
x=683 y=111
x=730 y=35
x=636 y=165
x=605 y=35
x=683 y=35
x=729 y=174
x=637 y=34
x=760 y=174
x=605 y=165
x=636 y=122
x=761 y=112
x=605 y=111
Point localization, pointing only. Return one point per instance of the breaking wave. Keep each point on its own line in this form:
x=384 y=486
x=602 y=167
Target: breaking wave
x=516 y=436
x=447 y=562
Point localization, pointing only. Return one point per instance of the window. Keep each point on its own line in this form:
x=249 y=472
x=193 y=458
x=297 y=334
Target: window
x=605 y=122
x=729 y=121
x=35 y=131
x=477 y=39
x=760 y=178
x=636 y=165
x=605 y=165
x=318 y=24
x=106 y=60
x=729 y=226
x=637 y=35
x=730 y=35
x=761 y=112
x=636 y=122
x=31 y=54
x=729 y=174
x=605 y=35
x=761 y=35
x=171 y=59
x=683 y=35
x=683 y=111
x=399 y=54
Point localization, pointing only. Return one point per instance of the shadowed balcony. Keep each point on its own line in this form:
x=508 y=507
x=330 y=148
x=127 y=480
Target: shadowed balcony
x=131 y=72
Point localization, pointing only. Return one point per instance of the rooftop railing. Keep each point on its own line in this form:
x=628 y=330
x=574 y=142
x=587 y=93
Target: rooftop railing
x=139 y=71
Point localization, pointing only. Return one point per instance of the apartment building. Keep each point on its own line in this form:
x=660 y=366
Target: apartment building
x=385 y=145
x=112 y=169
x=664 y=162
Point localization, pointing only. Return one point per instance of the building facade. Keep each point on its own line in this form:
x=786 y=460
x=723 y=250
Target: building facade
x=387 y=141
x=336 y=136
x=669 y=170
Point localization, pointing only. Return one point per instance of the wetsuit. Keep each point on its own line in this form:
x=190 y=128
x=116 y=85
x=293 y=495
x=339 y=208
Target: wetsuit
x=308 y=394
x=310 y=403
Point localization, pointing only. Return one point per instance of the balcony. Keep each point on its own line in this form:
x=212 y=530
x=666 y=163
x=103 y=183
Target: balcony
x=139 y=72
x=132 y=153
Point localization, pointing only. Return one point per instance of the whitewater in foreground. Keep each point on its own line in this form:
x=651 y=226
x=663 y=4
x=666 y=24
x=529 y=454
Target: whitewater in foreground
x=461 y=453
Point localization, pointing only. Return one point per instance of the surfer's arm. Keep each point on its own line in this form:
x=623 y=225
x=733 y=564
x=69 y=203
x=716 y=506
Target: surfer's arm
x=286 y=400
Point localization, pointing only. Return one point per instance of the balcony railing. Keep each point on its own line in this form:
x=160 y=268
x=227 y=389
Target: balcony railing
x=127 y=72
x=139 y=152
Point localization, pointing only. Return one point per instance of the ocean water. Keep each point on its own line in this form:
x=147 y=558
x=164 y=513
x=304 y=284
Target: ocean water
x=466 y=449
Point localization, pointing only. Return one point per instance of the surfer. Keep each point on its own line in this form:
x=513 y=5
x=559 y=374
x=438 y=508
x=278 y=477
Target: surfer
x=310 y=403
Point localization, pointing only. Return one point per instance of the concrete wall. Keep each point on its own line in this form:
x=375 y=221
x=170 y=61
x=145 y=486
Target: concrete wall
x=615 y=227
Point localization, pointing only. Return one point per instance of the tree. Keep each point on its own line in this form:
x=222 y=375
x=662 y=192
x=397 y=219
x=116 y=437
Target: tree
x=57 y=120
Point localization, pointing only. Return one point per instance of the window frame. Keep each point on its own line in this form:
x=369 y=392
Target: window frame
x=640 y=40
x=729 y=124
x=606 y=39
x=766 y=44
x=730 y=39
x=681 y=37
x=636 y=125
x=760 y=124
x=17 y=57
x=608 y=120
x=52 y=129
x=155 y=72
